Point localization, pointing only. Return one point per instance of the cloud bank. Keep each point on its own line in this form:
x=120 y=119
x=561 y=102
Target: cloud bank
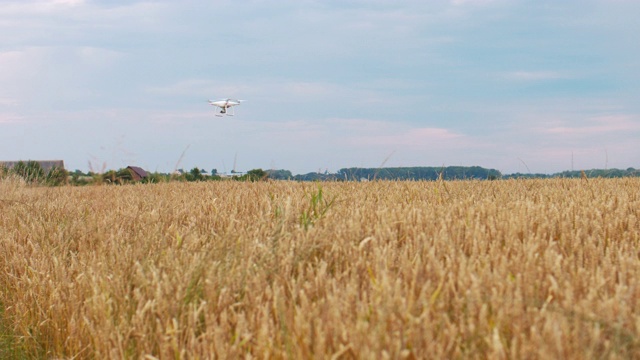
x=329 y=84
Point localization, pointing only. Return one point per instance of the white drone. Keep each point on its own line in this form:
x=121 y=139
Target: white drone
x=224 y=105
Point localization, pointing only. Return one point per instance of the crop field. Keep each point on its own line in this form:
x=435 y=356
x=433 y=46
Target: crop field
x=534 y=269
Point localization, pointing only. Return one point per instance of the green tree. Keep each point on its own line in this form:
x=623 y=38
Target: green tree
x=156 y=177
x=57 y=176
x=279 y=174
x=124 y=176
x=256 y=175
x=109 y=177
x=194 y=175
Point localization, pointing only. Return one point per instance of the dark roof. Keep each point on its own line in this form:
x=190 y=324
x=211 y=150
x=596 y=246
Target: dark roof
x=138 y=171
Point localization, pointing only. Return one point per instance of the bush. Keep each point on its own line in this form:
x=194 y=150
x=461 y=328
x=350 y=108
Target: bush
x=57 y=176
x=31 y=171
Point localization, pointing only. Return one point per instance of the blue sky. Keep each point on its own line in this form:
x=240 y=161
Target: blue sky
x=519 y=86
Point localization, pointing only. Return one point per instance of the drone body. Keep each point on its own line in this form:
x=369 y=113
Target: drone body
x=225 y=105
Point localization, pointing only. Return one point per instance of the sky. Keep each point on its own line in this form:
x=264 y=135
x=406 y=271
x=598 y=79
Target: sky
x=519 y=86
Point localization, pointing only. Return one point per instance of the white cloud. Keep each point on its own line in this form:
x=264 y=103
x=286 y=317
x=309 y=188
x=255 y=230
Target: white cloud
x=11 y=118
x=8 y=102
x=21 y=66
x=74 y=22
x=598 y=126
x=536 y=75
x=68 y=2
x=274 y=92
x=9 y=60
x=98 y=57
x=47 y=75
x=473 y=2
x=37 y=7
x=349 y=81
x=412 y=138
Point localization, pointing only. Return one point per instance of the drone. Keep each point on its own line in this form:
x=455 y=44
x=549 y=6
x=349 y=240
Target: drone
x=225 y=106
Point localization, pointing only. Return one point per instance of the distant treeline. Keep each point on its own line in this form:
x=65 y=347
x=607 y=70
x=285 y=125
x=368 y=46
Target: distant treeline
x=33 y=173
x=419 y=173
x=404 y=173
x=435 y=173
x=593 y=173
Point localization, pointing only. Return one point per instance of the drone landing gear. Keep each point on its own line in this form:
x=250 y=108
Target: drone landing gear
x=223 y=111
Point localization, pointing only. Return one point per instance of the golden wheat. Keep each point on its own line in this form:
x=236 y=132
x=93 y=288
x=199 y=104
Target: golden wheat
x=463 y=269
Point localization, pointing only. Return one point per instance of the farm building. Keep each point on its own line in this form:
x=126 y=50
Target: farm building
x=46 y=165
x=137 y=173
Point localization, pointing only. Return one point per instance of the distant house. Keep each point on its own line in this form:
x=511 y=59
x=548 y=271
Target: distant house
x=137 y=173
x=46 y=165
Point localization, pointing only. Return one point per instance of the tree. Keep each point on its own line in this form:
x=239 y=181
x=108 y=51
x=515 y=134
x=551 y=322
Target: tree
x=109 y=177
x=57 y=176
x=279 y=174
x=256 y=175
x=156 y=177
x=194 y=175
x=124 y=176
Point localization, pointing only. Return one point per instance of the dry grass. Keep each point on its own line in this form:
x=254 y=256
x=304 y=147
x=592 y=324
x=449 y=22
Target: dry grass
x=466 y=269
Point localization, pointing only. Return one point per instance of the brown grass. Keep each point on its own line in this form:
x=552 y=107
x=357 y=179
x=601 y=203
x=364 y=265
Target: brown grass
x=464 y=269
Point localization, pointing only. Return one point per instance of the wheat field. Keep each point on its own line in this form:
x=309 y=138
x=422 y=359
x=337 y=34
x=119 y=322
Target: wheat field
x=509 y=269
